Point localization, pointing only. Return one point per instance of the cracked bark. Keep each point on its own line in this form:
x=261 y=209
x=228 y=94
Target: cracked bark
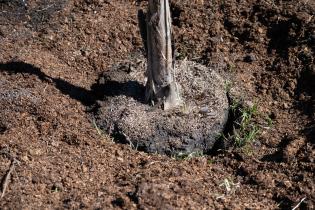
x=161 y=86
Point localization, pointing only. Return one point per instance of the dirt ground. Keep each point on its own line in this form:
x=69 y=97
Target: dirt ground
x=52 y=53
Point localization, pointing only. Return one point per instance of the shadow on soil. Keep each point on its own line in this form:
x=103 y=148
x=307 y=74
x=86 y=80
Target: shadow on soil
x=143 y=28
x=305 y=90
x=75 y=92
x=106 y=87
x=86 y=97
x=281 y=36
x=306 y=86
x=278 y=156
x=102 y=88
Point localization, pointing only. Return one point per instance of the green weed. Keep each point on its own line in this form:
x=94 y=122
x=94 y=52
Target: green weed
x=269 y=122
x=244 y=130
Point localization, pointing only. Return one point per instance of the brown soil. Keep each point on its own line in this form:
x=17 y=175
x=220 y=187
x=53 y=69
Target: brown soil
x=52 y=53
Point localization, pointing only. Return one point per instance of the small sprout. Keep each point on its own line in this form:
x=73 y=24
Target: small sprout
x=230 y=67
x=210 y=161
x=244 y=130
x=269 y=121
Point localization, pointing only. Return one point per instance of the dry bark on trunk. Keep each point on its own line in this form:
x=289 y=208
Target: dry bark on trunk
x=161 y=85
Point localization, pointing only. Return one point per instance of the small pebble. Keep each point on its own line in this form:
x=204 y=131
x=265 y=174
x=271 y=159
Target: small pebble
x=204 y=110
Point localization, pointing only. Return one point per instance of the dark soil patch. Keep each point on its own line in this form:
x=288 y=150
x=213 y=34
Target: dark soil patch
x=3 y=128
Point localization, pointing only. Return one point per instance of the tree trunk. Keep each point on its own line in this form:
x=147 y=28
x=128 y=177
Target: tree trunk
x=161 y=85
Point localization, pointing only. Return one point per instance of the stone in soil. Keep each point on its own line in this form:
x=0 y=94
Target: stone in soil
x=192 y=127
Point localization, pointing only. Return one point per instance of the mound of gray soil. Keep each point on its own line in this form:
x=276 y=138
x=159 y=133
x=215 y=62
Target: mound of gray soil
x=193 y=127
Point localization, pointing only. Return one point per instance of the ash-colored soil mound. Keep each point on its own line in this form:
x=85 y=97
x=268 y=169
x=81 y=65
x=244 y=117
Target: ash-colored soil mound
x=193 y=127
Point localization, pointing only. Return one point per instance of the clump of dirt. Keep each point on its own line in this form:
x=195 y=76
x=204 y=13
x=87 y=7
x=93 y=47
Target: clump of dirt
x=192 y=127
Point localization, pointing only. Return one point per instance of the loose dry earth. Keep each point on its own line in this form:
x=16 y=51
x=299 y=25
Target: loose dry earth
x=51 y=56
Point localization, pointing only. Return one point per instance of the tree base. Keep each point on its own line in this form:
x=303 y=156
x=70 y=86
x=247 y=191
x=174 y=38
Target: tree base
x=192 y=127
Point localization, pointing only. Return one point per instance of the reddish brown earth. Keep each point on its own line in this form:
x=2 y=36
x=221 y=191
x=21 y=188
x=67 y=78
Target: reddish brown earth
x=51 y=54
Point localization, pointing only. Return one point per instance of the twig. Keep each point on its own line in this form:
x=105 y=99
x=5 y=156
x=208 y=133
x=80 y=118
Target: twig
x=297 y=206
x=99 y=131
x=6 y=180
